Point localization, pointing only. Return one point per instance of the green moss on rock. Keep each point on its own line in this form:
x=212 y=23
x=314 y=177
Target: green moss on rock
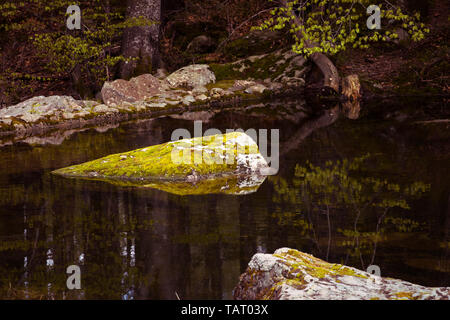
x=196 y=159
x=289 y=274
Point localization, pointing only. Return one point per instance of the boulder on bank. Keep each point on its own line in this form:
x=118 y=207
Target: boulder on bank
x=188 y=160
x=192 y=76
x=52 y=108
x=137 y=89
x=289 y=274
x=282 y=68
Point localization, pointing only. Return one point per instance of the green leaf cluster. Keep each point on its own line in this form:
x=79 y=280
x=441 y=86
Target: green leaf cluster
x=331 y=26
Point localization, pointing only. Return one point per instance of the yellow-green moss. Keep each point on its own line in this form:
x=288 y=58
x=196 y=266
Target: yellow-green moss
x=156 y=162
x=405 y=295
x=223 y=84
x=315 y=267
x=226 y=71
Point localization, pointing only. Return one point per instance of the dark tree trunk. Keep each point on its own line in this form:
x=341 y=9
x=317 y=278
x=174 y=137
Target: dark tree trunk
x=141 y=42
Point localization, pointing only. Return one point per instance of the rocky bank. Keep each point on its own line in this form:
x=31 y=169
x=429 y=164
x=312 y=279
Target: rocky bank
x=187 y=89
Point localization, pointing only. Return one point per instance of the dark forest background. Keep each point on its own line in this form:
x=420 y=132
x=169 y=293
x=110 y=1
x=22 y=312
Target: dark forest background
x=40 y=56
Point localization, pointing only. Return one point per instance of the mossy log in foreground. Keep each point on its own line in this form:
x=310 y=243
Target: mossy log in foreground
x=289 y=274
x=225 y=163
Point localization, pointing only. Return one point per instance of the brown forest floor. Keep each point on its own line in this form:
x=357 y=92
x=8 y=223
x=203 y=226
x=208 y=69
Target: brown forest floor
x=409 y=68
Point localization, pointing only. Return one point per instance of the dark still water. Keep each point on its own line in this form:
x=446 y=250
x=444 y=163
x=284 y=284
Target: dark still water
x=372 y=190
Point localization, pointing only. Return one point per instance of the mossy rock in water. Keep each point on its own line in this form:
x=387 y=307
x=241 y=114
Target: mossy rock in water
x=289 y=274
x=205 y=162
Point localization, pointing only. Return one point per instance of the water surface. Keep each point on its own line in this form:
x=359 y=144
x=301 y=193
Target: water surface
x=372 y=190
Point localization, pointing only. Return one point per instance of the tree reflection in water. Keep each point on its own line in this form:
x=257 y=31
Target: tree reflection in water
x=345 y=188
x=150 y=244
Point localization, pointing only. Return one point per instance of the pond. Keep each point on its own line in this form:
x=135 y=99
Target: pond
x=370 y=190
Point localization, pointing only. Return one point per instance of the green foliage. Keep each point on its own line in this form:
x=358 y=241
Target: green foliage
x=87 y=56
x=331 y=26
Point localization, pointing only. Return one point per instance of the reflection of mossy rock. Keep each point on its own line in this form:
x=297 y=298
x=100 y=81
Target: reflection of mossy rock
x=292 y=275
x=236 y=185
x=188 y=160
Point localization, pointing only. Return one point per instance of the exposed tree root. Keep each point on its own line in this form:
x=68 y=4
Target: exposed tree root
x=329 y=71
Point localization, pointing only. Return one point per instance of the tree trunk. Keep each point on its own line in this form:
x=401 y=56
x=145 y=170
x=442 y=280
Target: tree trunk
x=141 y=42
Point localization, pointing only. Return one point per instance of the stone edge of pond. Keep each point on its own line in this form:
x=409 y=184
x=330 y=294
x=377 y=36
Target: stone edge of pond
x=10 y=134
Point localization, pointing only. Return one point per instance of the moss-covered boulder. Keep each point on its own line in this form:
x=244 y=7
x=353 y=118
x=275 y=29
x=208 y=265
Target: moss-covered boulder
x=282 y=66
x=205 y=162
x=192 y=76
x=289 y=274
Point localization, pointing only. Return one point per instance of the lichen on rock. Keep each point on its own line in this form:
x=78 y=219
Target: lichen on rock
x=192 y=76
x=187 y=160
x=289 y=274
x=137 y=89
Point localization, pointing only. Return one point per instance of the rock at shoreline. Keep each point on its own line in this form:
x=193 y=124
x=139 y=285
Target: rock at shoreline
x=257 y=88
x=137 y=89
x=47 y=108
x=192 y=76
x=188 y=160
x=194 y=86
x=289 y=274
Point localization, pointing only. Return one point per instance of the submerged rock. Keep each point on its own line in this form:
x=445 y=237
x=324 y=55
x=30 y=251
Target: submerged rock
x=289 y=274
x=191 y=160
